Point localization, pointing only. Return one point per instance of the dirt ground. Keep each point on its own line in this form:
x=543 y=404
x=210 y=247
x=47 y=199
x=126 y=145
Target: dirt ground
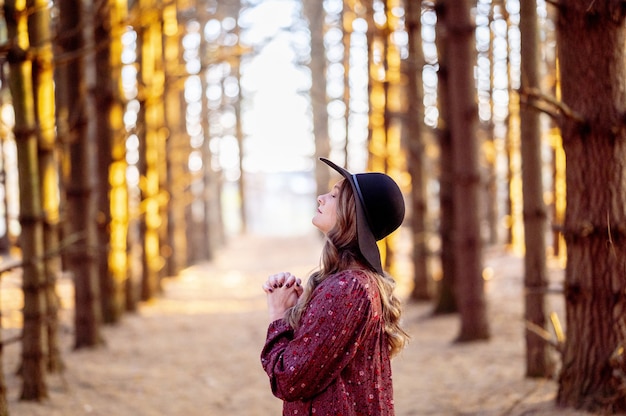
x=195 y=350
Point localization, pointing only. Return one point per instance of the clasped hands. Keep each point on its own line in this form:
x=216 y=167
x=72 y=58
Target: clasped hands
x=283 y=290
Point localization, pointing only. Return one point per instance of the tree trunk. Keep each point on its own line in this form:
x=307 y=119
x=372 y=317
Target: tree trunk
x=347 y=18
x=111 y=293
x=4 y=403
x=416 y=155
x=490 y=153
x=43 y=81
x=466 y=174
x=446 y=301
x=593 y=80
x=177 y=147
x=5 y=240
x=314 y=12
x=151 y=139
x=510 y=138
x=538 y=361
x=81 y=205
x=31 y=211
x=210 y=229
x=117 y=199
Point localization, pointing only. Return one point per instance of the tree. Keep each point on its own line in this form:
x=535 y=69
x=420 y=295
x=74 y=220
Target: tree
x=446 y=301
x=314 y=12
x=467 y=244
x=387 y=100
x=593 y=85
x=538 y=362
x=43 y=80
x=4 y=405
x=152 y=145
x=105 y=97
x=177 y=152
x=31 y=211
x=416 y=154
x=81 y=210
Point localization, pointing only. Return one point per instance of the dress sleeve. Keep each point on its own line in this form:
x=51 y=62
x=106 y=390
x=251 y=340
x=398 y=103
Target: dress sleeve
x=302 y=363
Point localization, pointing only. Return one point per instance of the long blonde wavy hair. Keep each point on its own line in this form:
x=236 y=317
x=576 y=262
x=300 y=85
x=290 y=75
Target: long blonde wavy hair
x=341 y=252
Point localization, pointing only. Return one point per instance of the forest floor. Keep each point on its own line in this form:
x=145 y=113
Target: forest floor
x=194 y=351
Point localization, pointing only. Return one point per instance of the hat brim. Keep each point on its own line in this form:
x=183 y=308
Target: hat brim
x=367 y=241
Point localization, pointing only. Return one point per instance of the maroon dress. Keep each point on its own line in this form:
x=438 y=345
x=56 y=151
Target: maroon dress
x=337 y=362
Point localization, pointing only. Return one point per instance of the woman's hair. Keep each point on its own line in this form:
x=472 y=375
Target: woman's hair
x=340 y=252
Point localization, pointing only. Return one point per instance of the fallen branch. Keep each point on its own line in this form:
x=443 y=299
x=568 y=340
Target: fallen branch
x=543 y=334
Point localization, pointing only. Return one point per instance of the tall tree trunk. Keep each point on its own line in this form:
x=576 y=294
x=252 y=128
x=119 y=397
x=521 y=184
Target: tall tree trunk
x=593 y=80
x=81 y=208
x=416 y=154
x=4 y=402
x=510 y=139
x=5 y=241
x=347 y=19
x=239 y=134
x=538 y=361
x=386 y=151
x=212 y=234
x=43 y=81
x=177 y=151
x=31 y=211
x=446 y=301
x=491 y=141
x=111 y=293
x=117 y=273
x=151 y=139
x=466 y=174
x=314 y=12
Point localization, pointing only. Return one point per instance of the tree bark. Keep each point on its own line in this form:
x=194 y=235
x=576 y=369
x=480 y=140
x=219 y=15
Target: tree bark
x=469 y=284
x=43 y=81
x=593 y=81
x=151 y=140
x=314 y=12
x=34 y=350
x=117 y=258
x=416 y=154
x=177 y=145
x=81 y=205
x=446 y=301
x=104 y=95
x=538 y=361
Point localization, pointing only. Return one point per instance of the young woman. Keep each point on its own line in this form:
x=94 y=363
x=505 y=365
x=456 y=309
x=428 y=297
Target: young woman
x=329 y=345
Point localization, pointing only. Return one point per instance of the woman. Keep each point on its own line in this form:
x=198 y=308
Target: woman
x=329 y=345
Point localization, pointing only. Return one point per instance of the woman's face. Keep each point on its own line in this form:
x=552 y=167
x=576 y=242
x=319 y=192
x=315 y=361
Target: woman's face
x=326 y=215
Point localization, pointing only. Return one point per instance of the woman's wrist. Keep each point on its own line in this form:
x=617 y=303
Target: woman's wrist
x=276 y=315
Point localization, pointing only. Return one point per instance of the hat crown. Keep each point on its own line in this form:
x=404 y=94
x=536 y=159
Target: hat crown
x=379 y=210
x=382 y=202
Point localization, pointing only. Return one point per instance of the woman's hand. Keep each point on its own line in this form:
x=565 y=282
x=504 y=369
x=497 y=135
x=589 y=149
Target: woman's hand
x=283 y=291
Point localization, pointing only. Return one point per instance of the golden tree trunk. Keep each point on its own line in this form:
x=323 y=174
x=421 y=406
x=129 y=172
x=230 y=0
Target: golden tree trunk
x=31 y=211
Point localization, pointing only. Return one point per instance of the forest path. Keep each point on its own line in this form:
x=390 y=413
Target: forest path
x=194 y=351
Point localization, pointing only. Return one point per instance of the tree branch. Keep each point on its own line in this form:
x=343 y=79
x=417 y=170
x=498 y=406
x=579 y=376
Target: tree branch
x=557 y=107
x=544 y=335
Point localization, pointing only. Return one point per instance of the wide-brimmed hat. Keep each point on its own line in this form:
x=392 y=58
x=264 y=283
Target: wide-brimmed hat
x=379 y=209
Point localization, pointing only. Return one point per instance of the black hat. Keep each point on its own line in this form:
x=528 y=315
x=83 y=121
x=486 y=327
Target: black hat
x=379 y=209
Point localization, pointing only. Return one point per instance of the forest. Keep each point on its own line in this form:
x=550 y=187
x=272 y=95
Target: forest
x=139 y=136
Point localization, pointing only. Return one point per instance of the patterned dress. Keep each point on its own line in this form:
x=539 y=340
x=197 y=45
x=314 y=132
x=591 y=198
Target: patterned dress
x=337 y=362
